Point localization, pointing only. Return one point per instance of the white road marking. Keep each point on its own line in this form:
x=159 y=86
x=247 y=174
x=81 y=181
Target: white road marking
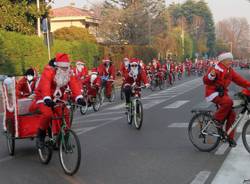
x=152 y=103
x=222 y=149
x=105 y=113
x=178 y=125
x=84 y=130
x=176 y=104
x=94 y=120
x=120 y=106
x=201 y=177
x=98 y=126
x=6 y=159
x=235 y=168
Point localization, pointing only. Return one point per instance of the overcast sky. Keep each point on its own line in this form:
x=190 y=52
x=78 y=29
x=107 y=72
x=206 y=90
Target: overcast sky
x=221 y=9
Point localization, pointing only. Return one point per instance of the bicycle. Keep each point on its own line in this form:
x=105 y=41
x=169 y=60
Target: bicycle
x=135 y=110
x=206 y=135
x=95 y=101
x=106 y=79
x=67 y=141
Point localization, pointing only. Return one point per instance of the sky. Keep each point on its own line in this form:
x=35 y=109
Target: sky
x=221 y=9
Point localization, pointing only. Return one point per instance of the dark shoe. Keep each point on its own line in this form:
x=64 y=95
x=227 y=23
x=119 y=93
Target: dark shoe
x=40 y=140
x=232 y=143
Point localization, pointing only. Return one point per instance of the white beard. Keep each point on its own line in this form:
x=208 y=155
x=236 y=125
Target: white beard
x=62 y=77
x=92 y=78
x=134 y=72
x=79 y=68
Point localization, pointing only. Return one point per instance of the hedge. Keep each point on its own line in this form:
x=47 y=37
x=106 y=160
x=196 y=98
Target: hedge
x=18 y=52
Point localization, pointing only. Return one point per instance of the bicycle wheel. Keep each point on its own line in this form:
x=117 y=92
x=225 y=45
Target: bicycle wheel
x=122 y=93
x=45 y=154
x=10 y=137
x=138 y=116
x=97 y=103
x=102 y=95
x=153 y=85
x=112 y=97
x=83 y=109
x=203 y=134
x=130 y=114
x=70 y=152
x=246 y=135
x=160 y=83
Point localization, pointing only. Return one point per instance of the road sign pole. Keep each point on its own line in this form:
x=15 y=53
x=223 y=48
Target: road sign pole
x=48 y=38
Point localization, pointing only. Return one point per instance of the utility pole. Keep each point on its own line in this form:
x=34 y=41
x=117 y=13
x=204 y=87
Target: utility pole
x=38 y=19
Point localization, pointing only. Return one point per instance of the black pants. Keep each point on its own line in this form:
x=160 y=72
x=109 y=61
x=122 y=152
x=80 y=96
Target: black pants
x=128 y=93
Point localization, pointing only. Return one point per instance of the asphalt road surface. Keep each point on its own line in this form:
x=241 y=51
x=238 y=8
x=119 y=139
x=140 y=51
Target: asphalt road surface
x=115 y=153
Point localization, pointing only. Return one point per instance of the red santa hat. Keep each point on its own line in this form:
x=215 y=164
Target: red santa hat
x=134 y=61
x=80 y=63
x=94 y=71
x=223 y=56
x=62 y=60
x=105 y=60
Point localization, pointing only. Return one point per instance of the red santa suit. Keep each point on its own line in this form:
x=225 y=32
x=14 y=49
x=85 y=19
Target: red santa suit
x=24 y=88
x=222 y=79
x=48 y=89
x=93 y=83
x=135 y=75
x=107 y=69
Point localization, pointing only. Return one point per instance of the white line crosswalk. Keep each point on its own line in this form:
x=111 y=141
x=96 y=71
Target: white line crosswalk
x=176 y=104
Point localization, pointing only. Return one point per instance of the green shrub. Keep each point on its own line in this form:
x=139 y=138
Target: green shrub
x=18 y=52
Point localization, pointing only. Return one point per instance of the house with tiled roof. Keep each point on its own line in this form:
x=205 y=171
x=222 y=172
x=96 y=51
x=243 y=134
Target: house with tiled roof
x=71 y=16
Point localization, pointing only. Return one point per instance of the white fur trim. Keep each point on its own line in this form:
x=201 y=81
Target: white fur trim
x=79 y=96
x=29 y=86
x=62 y=64
x=218 y=68
x=39 y=101
x=4 y=108
x=46 y=97
x=212 y=96
x=227 y=55
x=210 y=77
x=57 y=91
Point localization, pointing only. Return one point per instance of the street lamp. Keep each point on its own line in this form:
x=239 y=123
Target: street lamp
x=38 y=19
x=231 y=47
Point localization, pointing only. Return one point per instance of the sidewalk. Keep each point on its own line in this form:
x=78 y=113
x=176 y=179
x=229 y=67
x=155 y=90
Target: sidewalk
x=236 y=167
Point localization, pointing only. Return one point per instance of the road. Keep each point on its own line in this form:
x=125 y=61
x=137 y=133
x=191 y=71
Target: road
x=115 y=153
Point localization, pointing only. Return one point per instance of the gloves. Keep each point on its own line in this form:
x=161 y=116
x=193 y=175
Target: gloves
x=49 y=102
x=147 y=85
x=220 y=90
x=81 y=101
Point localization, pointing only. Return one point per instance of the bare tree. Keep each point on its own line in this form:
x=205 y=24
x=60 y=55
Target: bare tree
x=235 y=32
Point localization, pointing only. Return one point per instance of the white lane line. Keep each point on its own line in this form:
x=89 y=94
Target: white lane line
x=160 y=96
x=176 y=104
x=101 y=125
x=178 y=125
x=235 y=168
x=152 y=103
x=5 y=159
x=93 y=120
x=222 y=149
x=105 y=113
x=201 y=177
x=84 y=130
x=117 y=107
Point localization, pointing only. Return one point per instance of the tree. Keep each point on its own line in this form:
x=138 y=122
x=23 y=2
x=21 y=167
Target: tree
x=198 y=22
x=136 y=21
x=74 y=34
x=20 y=15
x=235 y=32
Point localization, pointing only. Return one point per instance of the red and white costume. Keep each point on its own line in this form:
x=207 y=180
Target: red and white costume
x=222 y=78
x=93 y=83
x=24 y=88
x=48 y=89
x=107 y=69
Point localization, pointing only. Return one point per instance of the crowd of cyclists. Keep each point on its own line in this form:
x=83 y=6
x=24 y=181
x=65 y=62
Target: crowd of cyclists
x=98 y=83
